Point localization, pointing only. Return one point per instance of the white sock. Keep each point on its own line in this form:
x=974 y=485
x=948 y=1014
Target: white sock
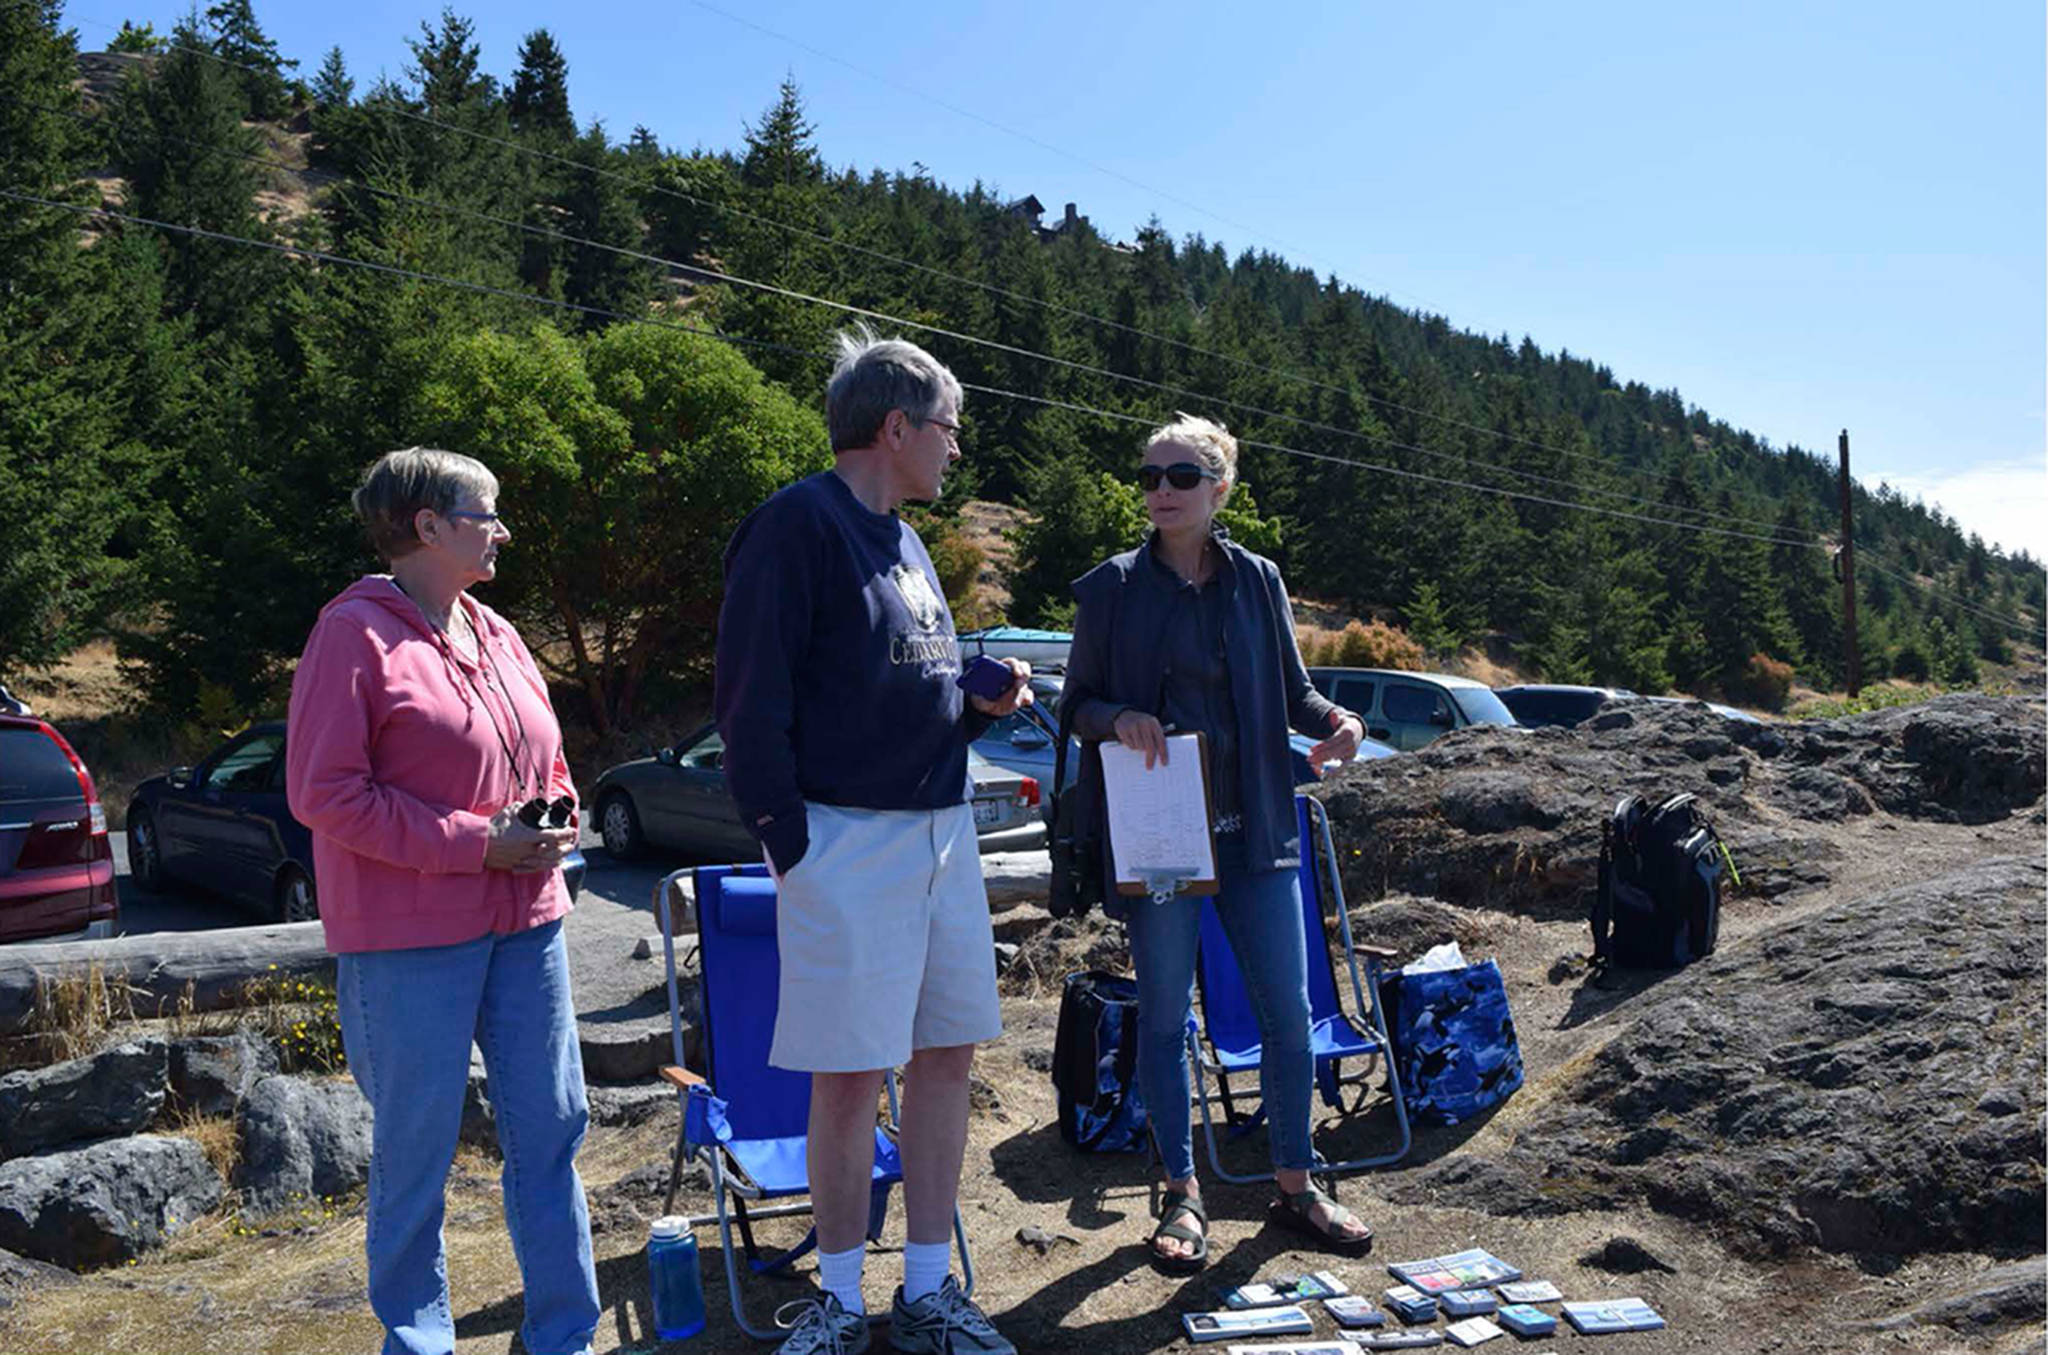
x=925 y=1267
x=839 y=1274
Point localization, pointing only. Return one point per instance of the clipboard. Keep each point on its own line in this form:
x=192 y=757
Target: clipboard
x=1152 y=827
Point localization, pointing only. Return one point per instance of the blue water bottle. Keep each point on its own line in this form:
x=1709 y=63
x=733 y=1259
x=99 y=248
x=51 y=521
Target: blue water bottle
x=673 y=1278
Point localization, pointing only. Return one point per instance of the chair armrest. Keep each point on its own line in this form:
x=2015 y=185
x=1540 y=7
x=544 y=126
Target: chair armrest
x=681 y=1078
x=1376 y=952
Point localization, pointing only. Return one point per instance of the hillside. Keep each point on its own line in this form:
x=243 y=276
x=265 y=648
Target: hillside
x=225 y=380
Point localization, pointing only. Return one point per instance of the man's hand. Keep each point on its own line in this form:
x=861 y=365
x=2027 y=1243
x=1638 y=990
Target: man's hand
x=1020 y=693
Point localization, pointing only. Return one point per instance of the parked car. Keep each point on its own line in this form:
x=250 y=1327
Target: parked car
x=224 y=825
x=1725 y=712
x=676 y=801
x=1537 y=704
x=1409 y=710
x=56 y=863
x=1042 y=649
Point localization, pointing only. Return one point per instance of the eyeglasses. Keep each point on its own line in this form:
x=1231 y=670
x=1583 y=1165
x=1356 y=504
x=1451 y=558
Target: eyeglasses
x=489 y=520
x=1181 y=475
x=952 y=430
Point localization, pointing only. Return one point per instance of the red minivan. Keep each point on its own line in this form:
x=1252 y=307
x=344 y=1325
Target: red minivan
x=56 y=863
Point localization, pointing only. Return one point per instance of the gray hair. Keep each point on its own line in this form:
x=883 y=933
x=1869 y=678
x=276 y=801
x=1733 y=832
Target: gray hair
x=875 y=375
x=1209 y=440
x=401 y=483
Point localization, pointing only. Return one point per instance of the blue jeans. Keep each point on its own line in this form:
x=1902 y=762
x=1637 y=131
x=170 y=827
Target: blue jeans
x=407 y=1020
x=1261 y=914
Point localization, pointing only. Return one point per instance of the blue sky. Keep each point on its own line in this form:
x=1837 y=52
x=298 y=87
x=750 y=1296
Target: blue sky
x=1803 y=216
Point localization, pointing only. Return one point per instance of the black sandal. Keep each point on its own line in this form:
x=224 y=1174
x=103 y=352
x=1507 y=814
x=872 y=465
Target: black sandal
x=1172 y=1205
x=1293 y=1210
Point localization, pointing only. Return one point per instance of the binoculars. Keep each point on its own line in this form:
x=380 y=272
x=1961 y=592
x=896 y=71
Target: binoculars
x=555 y=813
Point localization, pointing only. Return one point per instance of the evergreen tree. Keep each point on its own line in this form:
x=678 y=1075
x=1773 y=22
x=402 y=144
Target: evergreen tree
x=1428 y=623
x=137 y=41
x=1082 y=518
x=62 y=485
x=539 y=101
x=332 y=87
x=643 y=148
x=446 y=67
x=779 y=146
x=179 y=143
x=597 y=203
x=256 y=66
x=1810 y=595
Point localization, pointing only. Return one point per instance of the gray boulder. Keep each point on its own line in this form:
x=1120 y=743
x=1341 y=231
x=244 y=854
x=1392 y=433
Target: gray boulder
x=2002 y=1298
x=116 y=1091
x=1864 y=1081
x=302 y=1140
x=19 y=1275
x=634 y=1103
x=106 y=1202
x=210 y=1074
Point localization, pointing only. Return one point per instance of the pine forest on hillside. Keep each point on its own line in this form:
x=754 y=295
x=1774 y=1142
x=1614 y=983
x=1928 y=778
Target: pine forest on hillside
x=183 y=413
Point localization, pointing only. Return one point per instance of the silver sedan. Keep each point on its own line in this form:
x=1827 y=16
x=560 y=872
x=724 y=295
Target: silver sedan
x=676 y=801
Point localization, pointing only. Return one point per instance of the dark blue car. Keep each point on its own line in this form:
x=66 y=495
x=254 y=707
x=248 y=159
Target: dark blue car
x=224 y=825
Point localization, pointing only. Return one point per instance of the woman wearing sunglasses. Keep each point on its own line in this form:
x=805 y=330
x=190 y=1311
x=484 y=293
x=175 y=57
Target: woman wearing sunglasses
x=1193 y=632
x=419 y=731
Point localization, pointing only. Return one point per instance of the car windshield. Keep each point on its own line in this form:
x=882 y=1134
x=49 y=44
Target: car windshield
x=1481 y=706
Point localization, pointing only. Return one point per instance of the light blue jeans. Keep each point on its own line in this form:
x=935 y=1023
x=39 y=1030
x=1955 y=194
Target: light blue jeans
x=1261 y=914
x=407 y=1019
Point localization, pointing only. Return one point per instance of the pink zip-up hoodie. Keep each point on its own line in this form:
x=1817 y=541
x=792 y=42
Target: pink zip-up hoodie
x=395 y=758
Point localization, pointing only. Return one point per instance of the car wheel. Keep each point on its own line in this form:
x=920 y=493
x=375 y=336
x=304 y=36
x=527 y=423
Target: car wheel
x=145 y=853
x=296 y=901
x=619 y=823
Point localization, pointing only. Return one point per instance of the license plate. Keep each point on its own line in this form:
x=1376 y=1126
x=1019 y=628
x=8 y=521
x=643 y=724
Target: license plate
x=987 y=812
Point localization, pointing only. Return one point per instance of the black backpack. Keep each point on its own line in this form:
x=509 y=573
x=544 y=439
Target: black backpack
x=1075 y=826
x=1094 y=1064
x=1658 y=902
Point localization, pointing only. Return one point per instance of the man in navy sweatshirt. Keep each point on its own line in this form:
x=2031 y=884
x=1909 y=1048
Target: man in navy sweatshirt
x=846 y=751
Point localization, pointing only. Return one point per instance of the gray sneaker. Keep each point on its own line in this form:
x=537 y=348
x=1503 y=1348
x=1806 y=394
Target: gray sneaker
x=820 y=1326
x=945 y=1322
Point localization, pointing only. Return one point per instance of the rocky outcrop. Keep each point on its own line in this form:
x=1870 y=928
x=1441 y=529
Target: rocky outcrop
x=106 y=1202
x=1864 y=1081
x=302 y=1140
x=117 y=1091
x=2002 y=1298
x=1510 y=819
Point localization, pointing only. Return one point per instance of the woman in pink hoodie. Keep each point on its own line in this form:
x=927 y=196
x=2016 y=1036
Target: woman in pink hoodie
x=418 y=727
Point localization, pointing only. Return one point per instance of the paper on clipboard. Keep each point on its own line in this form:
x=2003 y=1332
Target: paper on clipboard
x=1159 y=819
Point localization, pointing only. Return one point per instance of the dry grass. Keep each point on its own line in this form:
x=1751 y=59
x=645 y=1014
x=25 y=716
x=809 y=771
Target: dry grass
x=217 y=1136
x=76 y=1012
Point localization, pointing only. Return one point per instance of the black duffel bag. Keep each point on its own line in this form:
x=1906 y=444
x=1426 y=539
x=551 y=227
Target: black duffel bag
x=1094 y=1064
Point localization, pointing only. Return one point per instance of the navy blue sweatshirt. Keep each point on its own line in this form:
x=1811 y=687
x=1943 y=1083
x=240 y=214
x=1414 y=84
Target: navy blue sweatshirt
x=836 y=667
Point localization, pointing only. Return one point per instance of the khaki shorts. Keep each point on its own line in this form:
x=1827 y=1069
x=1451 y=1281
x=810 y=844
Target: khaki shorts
x=886 y=946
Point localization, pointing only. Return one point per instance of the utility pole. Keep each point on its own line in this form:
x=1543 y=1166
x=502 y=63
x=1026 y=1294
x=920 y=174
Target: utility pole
x=1851 y=657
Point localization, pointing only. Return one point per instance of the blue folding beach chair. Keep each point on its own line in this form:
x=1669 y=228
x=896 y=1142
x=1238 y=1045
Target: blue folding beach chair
x=747 y=1118
x=1228 y=1044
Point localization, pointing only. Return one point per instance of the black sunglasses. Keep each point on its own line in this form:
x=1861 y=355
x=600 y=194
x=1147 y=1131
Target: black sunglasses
x=1181 y=475
x=556 y=812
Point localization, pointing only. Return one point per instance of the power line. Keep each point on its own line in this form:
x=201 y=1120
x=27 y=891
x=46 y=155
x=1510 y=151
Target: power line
x=1863 y=558
x=990 y=288
x=339 y=260
x=1179 y=393
x=323 y=256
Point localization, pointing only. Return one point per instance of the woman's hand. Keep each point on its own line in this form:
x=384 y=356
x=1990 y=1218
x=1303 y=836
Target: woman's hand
x=1141 y=733
x=1341 y=746
x=522 y=850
